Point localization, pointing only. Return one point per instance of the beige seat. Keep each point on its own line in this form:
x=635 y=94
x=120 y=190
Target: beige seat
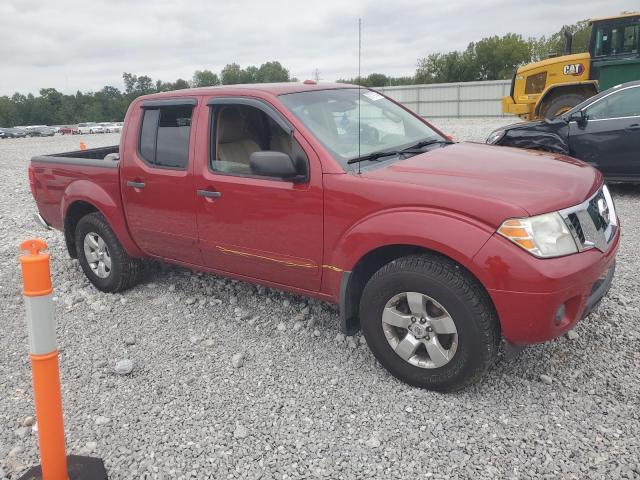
x=235 y=142
x=282 y=143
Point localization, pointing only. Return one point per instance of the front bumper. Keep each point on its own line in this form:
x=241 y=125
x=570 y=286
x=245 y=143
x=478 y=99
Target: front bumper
x=540 y=299
x=509 y=106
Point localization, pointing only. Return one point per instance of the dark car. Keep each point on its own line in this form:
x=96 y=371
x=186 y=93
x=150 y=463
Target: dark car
x=41 y=132
x=2 y=134
x=14 y=133
x=603 y=131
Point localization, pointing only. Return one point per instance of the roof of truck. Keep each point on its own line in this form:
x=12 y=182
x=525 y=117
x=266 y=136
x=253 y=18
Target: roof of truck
x=615 y=17
x=272 y=88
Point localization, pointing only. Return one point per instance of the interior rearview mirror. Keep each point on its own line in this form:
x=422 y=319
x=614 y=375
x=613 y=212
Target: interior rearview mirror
x=274 y=164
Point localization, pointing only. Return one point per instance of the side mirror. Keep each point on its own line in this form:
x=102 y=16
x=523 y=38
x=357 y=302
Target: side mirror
x=274 y=164
x=580 y=117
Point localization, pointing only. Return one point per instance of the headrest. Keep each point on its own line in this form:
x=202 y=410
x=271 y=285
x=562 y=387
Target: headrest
x=231 y=125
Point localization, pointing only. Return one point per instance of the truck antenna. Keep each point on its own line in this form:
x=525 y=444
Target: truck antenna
x=359 y=83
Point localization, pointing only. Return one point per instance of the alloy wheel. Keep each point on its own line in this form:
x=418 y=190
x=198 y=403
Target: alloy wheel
x=97 y=254
x=420 y=330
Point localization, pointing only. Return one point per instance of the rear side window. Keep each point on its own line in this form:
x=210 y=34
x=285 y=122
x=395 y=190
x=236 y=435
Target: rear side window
x=164 y=136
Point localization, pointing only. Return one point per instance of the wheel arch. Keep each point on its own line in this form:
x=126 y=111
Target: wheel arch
x=587 y=88
x=74 y=213
x=353 y=282
x=83 y=197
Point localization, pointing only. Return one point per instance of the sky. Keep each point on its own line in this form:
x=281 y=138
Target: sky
x=72 y=45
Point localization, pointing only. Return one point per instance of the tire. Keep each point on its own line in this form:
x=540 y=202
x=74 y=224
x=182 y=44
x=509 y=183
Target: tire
x=457 y=302
x=123 y=271
x=561 y=104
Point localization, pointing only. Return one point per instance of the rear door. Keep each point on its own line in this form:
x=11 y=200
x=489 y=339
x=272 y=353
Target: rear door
x=256 y=226
x=157 y=179
x=610 y=139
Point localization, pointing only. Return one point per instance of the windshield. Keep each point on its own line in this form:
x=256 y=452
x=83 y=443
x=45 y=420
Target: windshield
x=332 y=116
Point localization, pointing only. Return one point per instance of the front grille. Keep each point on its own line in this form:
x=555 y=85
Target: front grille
x=593 y=223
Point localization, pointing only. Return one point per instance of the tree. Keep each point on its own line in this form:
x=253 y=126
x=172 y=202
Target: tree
x=205 y=78
x=555 y=44
x=377 y=80
x=272 y=72
x=180 y=84
x=498 y=57
x=447 y=67
x=491 y=58
x=231 y=74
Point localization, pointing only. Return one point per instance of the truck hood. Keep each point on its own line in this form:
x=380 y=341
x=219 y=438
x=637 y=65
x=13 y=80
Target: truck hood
x=573 y=58
x=498 y=177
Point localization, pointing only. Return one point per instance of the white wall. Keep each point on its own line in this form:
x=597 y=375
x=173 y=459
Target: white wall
x=464 y=99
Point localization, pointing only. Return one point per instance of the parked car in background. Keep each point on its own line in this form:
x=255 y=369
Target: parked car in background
x=437 y=250
x=603 y=131
x=90 y=127
x=111 y=127
x=14 y=133
x=41 y=132
x=69 y=130
x=2 y=134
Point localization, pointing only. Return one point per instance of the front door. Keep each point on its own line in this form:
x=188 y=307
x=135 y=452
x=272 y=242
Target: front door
x=252 y=225
x=610 y=138
x=157 y=180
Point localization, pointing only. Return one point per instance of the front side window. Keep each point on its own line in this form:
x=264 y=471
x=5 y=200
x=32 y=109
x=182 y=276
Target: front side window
x=617 y=40
x=164 y=136
x=241 y=130
x=380 y=124
x=625 y=103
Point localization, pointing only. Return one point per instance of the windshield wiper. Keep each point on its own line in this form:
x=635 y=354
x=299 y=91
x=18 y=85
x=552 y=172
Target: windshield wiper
x=426 y=143
x=378 y=155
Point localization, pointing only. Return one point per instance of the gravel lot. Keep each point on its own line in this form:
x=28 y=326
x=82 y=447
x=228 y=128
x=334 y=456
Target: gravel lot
x=299 y=400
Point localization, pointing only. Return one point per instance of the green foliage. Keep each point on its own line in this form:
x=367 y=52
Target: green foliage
x=110 y=104
x=555 y=44
x=233 y=74
x=496 y=58
x=379 y=80
x=205 y=78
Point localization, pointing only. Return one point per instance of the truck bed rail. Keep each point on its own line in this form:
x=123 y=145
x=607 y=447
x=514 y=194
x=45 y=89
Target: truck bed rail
x=93 y=157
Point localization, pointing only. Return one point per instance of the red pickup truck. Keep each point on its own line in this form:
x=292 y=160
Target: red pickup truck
x=436 y=249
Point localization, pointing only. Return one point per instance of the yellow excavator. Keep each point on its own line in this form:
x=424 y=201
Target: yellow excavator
x=550 y=87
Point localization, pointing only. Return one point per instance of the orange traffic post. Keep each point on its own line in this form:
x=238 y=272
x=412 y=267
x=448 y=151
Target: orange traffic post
x=83 y=146
x=41 y=324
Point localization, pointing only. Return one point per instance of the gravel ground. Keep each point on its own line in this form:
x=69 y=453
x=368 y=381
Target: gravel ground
x=234 y=381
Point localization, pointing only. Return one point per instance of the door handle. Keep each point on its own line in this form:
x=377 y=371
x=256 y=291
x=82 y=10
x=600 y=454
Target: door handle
x=635 y=126
x=131 y=183
x=209 y=194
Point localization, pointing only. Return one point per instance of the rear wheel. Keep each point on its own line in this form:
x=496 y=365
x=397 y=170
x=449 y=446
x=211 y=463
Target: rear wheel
x=429 y=323
x=103 y=260
x=562 y=104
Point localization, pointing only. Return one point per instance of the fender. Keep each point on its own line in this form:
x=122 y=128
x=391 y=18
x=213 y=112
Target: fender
x=448 y=233
x=552 y=89
x=93 y=194
x=536 y=139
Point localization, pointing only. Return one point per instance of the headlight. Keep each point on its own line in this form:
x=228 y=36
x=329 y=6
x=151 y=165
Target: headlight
x=543 y=236
x=496 y=136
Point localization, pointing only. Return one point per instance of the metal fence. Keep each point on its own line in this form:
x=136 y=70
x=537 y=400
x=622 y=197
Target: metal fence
x=464 y=99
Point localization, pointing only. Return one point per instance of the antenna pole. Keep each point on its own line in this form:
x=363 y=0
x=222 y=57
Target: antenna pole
x=359 y=82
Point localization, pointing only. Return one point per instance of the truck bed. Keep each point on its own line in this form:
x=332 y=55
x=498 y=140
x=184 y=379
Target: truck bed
x=81 y=175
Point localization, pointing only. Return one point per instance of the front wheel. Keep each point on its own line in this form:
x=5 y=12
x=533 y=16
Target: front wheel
x=429 y=322
x=103 y=260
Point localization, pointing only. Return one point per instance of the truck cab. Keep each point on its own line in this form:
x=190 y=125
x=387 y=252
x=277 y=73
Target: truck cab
x=551 y=87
